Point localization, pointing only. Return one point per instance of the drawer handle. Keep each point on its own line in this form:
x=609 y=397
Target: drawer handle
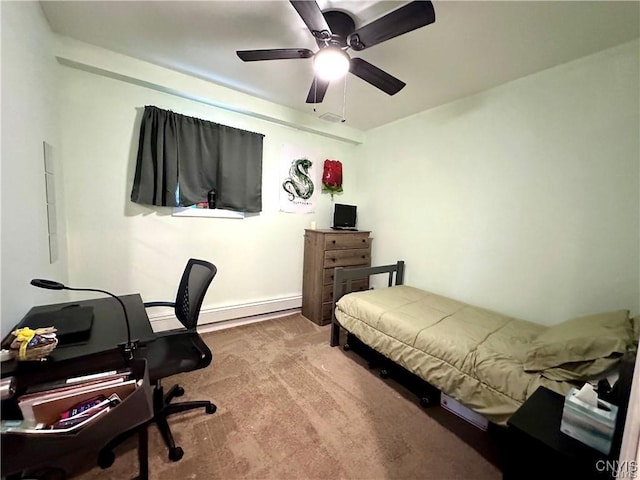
x=364 y=256
x=332 y=259
x=364 y=240
x=333 y=241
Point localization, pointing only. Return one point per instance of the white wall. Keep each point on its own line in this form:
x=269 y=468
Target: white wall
x=124 y=247
x=29 y=117
x=523 y=198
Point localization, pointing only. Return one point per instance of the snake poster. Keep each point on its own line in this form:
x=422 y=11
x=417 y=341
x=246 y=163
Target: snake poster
x=299 y=181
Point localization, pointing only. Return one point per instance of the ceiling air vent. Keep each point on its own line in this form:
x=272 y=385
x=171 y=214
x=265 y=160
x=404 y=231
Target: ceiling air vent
x=331 y=117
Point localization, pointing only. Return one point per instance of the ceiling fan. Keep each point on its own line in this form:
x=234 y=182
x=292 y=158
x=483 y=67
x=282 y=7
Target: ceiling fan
x=335 y=33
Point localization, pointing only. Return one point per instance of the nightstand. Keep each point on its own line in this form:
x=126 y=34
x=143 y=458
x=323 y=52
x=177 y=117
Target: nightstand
x=536 y=448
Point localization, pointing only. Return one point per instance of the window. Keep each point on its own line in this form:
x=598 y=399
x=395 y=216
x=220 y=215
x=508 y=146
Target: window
x=181 y=159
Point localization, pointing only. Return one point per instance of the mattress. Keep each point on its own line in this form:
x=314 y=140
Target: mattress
x=469 y=353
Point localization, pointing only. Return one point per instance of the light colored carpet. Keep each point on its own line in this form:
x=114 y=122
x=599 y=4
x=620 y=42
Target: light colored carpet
x=292 y=407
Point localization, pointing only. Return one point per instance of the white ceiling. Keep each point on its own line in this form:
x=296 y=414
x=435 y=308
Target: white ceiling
x=471 y=46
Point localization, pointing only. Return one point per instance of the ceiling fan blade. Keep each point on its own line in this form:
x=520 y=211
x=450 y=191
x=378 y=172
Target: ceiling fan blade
x=274 y=54
x=312 y=16
x=405 y=19
x=376 y=77
x=318 y=89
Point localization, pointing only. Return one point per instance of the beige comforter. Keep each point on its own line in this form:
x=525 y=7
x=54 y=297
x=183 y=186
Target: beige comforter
x=471 y=354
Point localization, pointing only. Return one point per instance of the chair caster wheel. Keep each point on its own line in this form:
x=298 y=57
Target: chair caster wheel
x=106 y=459
x=346 y=347
x=425 y=402
x=211 y=408
x=179 y=391
x=384 y=373
x=175 y=454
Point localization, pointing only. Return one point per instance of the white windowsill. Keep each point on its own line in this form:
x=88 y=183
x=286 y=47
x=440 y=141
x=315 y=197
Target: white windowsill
x=205 y=212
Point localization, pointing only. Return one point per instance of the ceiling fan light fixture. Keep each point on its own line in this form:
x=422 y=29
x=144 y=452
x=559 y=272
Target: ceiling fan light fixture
x=335 y=32
x=331 y=63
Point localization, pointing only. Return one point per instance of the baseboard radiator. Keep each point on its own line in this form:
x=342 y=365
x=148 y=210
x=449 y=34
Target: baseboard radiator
x=232 y=315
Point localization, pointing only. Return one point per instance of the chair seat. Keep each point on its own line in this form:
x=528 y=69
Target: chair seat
x=172 y=352
x=175 y=353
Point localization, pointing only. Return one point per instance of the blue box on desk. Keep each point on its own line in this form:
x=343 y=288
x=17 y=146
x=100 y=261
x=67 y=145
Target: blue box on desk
x=593 y=426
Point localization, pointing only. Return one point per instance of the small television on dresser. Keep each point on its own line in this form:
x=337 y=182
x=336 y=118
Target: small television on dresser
x=344 y=217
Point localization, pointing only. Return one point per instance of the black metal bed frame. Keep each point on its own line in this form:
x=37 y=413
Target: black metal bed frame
x=343 y=283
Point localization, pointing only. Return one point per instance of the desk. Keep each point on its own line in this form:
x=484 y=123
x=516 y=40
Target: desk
x=100 y=352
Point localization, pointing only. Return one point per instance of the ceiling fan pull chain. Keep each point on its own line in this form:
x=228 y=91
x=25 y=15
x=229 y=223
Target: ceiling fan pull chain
x=315 y=93
x=344 y=99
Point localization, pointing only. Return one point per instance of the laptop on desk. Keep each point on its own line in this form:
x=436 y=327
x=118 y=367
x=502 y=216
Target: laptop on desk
x=73 y=323
x=345 y=217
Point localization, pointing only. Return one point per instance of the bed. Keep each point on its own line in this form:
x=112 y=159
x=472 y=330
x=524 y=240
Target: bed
x=489 y=362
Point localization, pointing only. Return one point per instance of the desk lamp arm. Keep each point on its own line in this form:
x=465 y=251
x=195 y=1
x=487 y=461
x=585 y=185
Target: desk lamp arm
x=128 y=347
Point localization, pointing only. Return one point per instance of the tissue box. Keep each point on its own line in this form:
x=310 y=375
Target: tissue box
x=589 y=424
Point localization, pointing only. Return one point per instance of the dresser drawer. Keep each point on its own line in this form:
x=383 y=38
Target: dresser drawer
x=356 y=286
x=341 y=241
x=347 y=258
x=327 y=276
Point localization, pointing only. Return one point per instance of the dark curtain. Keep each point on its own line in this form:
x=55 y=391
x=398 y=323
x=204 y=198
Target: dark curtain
x=198 y=156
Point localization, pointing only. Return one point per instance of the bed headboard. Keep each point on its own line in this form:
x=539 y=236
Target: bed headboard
x=343 y=283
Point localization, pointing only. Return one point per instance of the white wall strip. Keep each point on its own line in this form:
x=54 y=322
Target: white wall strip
x=212 y=327
x=240 y=314
x=76 y=54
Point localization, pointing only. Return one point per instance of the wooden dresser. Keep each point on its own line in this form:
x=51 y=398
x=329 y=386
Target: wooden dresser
x=323 y=251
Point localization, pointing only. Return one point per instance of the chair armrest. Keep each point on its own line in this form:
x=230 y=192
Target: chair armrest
x=159 y=304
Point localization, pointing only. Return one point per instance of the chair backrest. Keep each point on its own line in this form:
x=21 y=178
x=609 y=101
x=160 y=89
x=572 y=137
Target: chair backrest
x=195 y=281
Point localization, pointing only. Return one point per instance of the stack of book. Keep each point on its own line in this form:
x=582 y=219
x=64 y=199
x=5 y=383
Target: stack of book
x=70 y=404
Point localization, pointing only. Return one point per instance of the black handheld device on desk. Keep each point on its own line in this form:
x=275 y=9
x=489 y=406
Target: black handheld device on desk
x=73 y=323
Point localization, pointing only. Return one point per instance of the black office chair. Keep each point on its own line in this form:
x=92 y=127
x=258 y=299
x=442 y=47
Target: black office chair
x=173 y=352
